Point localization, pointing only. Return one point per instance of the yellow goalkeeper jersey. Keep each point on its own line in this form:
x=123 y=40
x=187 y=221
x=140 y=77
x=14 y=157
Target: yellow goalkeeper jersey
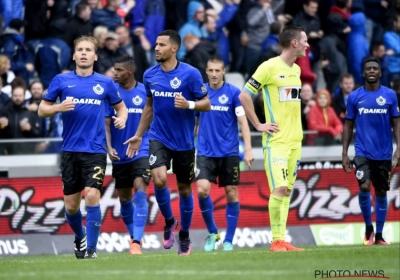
x=281 y=88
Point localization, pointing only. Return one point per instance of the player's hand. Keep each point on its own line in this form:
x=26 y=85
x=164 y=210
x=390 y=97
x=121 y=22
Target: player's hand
x=118 y=122
x=181 y=102
x=346 y=163
x=66 y=105
x=248 y=158
x=269 y=128
x=112 y=153
x=134 y=144
x=396 y=158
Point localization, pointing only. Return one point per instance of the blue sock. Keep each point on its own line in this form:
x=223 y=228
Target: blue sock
x=93 y=224
x=186 y=208
x=127 y=215
x=164 y=202
x=364 y=199
x=232 y=217
x=75 y=222
x=140 y=214
x=381 y=211
x=207 y=211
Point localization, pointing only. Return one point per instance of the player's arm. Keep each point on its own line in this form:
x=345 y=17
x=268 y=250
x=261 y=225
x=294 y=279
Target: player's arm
x=48 y=109
x=244 y=128
x=202 y=105
x=259 y=79
x=122 y=115
x=135 y=142
x=347 y=136
x=112 y=153
x=396 y=134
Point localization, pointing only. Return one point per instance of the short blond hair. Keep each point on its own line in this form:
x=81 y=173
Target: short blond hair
x=85 y=38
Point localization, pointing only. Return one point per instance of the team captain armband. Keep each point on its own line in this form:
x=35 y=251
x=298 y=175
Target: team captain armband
x=239 y=111
x=253 y=85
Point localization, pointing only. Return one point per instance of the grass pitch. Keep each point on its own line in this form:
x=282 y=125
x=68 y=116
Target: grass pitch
x=243 y=264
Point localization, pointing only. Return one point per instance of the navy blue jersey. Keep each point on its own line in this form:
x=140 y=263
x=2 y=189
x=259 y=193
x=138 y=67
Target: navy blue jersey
x=134 y=99
x=218 y=129
x=372 y=111
x=172 y=126
x=83 y=127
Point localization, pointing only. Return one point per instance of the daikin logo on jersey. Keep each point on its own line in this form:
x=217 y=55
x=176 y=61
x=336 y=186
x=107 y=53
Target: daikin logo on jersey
x=164 y=93
x=371 y=111
x=89 y=101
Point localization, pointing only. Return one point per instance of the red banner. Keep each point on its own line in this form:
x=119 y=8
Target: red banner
x=35 y=205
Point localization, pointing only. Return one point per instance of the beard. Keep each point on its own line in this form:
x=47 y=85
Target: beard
x=160 y=59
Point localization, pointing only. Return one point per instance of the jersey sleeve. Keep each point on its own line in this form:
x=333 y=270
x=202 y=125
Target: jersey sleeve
x=258 y=80
x=394 y=109
x=54 y=90
x=351 y=109
x=113 y=95
x=108 y=110
x=146 y=86
x=237 y=105
x=197 y=87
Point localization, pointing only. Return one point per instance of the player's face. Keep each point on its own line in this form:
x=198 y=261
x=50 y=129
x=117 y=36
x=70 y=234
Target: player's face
x=372 y=72
x=164 y=49
x=84 y=55
x=215 y=72
x=302 y=45
x=121 y=73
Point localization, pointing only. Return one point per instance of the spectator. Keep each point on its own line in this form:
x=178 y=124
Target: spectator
x=99 y=33
x=309 y=20
x=238 y=38
x=378 y=50
x=195 y=16
x=307 y=76
x=273 y=37
x=147 y=20
x=339 y=101
x=21 y=123
x=78 y=25
x=395 y=85
x=258 y=29
x=198 y=53
x=93 y=4
x=391 y=40
x=11 y=9
x=338 y=23
x=220 y=35
x=307 y=102
x=324 y=120
x=357 y=46
x=333 y=62
x=48 y=126
x=6 y=75
x=134 y=50
x=107 y=16
x=16 y=50
x=108 y=55
x=4 y=98
x=375 y=11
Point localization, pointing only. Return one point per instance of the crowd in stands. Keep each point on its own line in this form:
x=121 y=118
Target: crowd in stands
x=37 y=45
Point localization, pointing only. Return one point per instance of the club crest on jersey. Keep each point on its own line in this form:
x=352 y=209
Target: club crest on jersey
x=152 y=159
x=203 y=89
x=223 y=99
x=381 y=101
x=359 y=174
x=98 y=89
x=137 y=100
x=175 y=83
